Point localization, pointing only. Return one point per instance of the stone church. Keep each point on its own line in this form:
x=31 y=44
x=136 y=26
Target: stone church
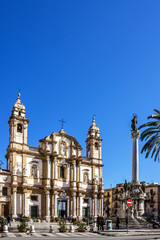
x=53 y=179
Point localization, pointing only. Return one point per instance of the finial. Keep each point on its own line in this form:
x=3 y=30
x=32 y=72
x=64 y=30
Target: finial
x=19 y=96
x=19 y=93
x=93 y=119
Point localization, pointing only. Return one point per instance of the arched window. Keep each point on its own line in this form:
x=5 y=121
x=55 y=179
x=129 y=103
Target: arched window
x=19 y=113
x=96 y=146
x=61 y=172
x=85 y=177
x=34 y=171
x=19 y=127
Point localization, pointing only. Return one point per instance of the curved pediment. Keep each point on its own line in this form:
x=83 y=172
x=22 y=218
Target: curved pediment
x=61 y=144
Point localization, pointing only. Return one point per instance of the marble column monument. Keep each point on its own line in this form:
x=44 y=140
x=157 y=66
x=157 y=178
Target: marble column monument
x=135 y=156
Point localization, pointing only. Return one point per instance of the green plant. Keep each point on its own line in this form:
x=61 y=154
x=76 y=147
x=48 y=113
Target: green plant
x=3 y=221
x=23 y=225
x=57 y=219
x=81 y=225
x=62 y=224
x=52 y=219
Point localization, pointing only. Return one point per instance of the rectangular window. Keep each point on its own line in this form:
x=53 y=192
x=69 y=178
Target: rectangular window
x=85 y=200
x=34 y=198
x=4 y=191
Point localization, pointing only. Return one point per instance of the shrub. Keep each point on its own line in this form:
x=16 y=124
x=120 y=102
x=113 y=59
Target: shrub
x=57 y=219
x=62 y=224
x=23 y=225
x=81 y=225
x=3 y=221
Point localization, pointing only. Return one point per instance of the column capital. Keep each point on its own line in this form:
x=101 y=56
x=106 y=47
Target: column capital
x=94 y=195
x=14 y=189
x=46 y=191
x=73 y=194
x=135 y=134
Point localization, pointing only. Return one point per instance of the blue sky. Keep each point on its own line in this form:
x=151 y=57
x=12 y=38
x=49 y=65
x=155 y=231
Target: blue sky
x=73 y=59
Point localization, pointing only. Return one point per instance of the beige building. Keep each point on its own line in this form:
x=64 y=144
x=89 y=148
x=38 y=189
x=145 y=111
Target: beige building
x=111 y=200
x=5 y=192
x=153 y=203
x=53 y=179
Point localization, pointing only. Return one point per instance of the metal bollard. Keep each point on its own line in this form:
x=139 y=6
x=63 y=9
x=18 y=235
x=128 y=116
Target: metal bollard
x=95 y=227
x=5 y=228
x=71 y=228
x=32 y=229
x=91 y=228
x=51 y=229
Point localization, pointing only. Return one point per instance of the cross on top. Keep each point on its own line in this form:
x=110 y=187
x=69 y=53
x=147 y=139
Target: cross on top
x=62 y=121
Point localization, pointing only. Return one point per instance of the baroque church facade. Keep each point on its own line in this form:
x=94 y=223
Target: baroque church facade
x=53 y=179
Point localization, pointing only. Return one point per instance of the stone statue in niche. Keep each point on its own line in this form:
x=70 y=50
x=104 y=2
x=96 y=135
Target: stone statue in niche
x=14 y=170
x=24 y=171
x=86 y=177
x=96 y=179
x=63 y=148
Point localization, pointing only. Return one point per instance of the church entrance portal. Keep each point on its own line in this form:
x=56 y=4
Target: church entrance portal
x=62 y=208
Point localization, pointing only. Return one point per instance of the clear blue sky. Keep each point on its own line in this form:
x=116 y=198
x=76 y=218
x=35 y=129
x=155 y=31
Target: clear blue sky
x=73 y=59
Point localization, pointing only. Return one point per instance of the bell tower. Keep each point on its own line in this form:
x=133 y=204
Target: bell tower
x=18 y=124
x=93 y=142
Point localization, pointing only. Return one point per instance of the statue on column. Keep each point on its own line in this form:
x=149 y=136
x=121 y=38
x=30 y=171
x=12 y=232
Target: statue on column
x=134 y=122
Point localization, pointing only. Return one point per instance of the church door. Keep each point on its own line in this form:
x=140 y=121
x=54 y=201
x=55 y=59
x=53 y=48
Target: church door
x=86 y=212
x=4 y=210
x=62 y=208
x=34 y=211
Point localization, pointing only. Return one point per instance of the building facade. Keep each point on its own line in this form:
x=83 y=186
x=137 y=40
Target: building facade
x=153 y=204
x=112 y=200
x=53 y=179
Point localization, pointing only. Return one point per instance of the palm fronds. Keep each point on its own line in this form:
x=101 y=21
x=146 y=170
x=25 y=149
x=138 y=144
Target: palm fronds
x=152 y=136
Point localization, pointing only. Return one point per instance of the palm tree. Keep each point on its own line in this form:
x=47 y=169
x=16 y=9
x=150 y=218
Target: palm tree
x=152 y=135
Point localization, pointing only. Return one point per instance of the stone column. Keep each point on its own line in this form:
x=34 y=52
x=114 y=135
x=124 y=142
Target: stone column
x=47 y=206
x=68 y=207
x=135 y=158
x=80 y=173
x=68 y=169
x=90 y=206
x=80 y=206
x=74 y=206
x=101 y=206
x=48 y=168
x=25 y=204
x=55 y=169
x=95 y=206
x=74 y=172
x=55 y=205
x=14 y=203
